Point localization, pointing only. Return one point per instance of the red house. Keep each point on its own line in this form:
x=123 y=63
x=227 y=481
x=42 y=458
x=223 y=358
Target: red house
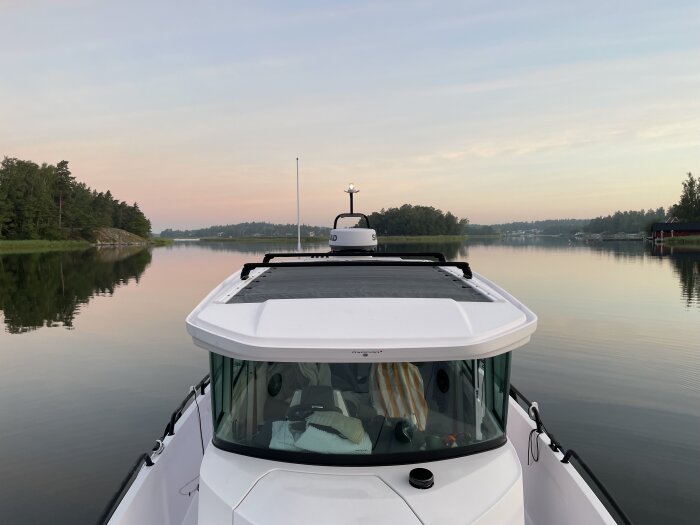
x=664 y=230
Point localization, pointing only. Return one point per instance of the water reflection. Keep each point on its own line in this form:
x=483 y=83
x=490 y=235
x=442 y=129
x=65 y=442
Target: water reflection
x=618 y=249
x=686 y=263
x=47 y=289
x=252 y=247
x=614 y=364
x=451 y=250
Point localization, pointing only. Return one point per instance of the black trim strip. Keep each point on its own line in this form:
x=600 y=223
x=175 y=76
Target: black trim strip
x=145 y=459
x=177 y=414
x=248 y=267
x=358 y=460
x=568 y=455
x=355 y=253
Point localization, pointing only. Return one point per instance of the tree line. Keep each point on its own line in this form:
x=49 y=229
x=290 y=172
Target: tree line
x=686 y=210
x=546 y=227
x=247 y=229
x=426 y=220
x=46 y=202
x=626 y=221
x=416 y=220
x=631 y=221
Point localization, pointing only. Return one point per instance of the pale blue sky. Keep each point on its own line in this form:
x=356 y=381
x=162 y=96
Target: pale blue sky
x=495 y=111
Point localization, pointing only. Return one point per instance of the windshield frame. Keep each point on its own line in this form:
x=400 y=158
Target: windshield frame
x=373 y=459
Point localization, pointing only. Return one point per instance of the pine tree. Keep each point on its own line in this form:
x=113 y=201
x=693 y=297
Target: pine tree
x=688 y=207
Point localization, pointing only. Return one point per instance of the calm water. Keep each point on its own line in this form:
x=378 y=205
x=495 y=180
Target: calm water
x=94 y=356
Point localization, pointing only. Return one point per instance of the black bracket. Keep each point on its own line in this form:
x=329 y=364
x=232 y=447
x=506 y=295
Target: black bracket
x=344 y=215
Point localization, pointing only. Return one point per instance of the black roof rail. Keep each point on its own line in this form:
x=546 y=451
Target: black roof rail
x=355 y=253
x=248 y=267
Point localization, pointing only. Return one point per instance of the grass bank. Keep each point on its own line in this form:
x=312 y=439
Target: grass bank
x=41 y=246
x=160 y=241
x=689 y=240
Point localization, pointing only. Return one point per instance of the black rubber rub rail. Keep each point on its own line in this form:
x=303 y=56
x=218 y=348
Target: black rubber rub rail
x=145 y=459
x=570 y=454
x=248 y=267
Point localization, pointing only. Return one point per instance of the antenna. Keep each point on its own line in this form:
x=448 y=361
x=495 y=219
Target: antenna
x=298 y=215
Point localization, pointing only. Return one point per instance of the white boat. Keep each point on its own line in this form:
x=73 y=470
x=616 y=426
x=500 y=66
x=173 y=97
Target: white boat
x=358 y=387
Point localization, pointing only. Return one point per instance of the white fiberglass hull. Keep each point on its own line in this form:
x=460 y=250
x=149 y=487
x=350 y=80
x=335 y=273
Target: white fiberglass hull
x=167 y=491
x=554 y=491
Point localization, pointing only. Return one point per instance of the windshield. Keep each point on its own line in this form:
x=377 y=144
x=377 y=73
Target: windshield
x=359 y=413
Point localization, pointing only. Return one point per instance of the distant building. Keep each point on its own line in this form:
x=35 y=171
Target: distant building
x=662 y=230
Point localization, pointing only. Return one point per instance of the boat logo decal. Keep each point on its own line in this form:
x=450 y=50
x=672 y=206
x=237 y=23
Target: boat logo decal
x=366 y=353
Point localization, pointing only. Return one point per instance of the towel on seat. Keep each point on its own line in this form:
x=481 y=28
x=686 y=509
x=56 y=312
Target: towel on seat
x=349 y=427
x=316 y=440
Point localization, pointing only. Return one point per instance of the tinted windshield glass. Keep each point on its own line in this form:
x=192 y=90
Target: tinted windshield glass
x=292 y=411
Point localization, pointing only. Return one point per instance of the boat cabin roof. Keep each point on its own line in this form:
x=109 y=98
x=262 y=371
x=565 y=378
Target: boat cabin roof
x=371 y=308
x=355 y=282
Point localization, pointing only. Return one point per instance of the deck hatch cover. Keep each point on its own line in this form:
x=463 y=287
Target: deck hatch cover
x=358 y=282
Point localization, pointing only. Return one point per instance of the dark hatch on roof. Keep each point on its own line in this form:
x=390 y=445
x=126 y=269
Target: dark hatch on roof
x=340 y=282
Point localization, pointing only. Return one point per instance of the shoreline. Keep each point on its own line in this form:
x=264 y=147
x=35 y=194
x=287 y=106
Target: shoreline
x=43 y=245
x=324 y=239
x=38 y=245
x=307 y=240
x=687 y=241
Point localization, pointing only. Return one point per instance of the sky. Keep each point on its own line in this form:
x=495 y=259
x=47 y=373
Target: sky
x=495 y=111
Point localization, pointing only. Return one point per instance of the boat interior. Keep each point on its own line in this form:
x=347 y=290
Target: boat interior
x=450 y=405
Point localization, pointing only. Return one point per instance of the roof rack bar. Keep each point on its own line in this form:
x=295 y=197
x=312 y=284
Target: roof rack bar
x=355 y=253
x=248 y=267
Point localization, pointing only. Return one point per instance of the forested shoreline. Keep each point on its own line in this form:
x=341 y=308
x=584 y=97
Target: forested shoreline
x=416 y=220
x=405 y=220
x=47 y=202
x=247 y=229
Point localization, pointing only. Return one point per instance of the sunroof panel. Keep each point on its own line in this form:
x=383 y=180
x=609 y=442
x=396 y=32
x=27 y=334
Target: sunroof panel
x=326 y=282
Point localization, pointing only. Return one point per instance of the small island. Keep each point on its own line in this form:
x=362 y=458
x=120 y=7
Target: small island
x=43 y=207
